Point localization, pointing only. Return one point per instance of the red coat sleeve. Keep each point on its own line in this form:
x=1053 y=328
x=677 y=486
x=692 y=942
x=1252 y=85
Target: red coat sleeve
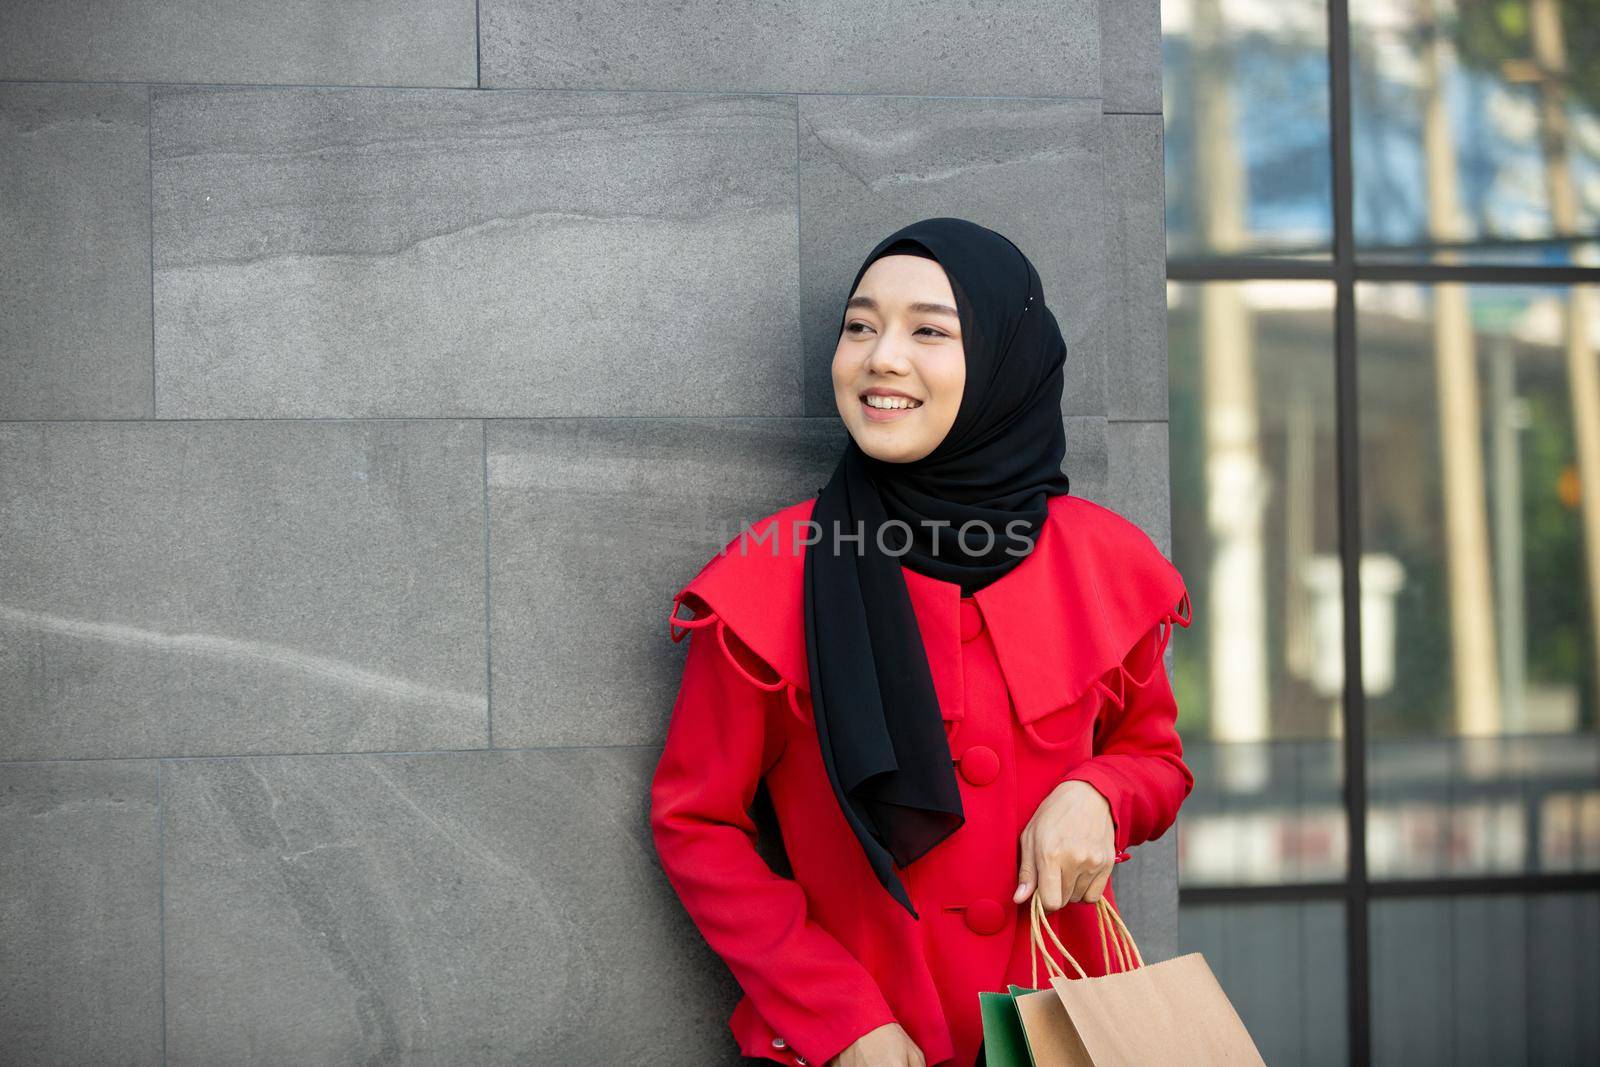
x=800 y=979
x=1138 y=763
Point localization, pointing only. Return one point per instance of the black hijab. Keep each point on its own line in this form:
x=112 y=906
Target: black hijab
x=877 y=714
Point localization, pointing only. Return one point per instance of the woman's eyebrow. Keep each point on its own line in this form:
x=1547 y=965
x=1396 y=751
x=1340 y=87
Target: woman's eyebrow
x=922 y=306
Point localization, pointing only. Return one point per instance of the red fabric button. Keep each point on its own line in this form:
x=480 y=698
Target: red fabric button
x=980 y=765
x=971 y=619
x=985 y=916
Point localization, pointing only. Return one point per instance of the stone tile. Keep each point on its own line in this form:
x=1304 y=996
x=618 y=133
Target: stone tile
x=1138 y=482
x=1130 y=55
x=401 y=42
x=74 y=251
x=80 y=932
x=1087 y=462
x=1147 y=895
x=1136 y=487
x=1136 y=269
x=218 y=588
x=595 y=524
x=1028 y=169
x=942 y=47
x=483 y=908
x=363 y=252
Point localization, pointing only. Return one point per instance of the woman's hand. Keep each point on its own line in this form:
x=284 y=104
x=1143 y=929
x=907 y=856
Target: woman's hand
x=887 y=1046
x=1068 y=847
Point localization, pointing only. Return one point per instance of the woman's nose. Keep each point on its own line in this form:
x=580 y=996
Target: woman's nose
x=888 y=357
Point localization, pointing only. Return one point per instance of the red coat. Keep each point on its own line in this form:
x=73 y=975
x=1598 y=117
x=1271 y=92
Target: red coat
x=1053 y=672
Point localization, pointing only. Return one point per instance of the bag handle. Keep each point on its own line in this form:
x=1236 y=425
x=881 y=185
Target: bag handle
x=1121 y=946
x=1121 y=936
x=1037 y=923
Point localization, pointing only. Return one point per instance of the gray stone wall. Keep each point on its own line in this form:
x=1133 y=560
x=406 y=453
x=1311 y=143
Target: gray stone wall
x=370 y=376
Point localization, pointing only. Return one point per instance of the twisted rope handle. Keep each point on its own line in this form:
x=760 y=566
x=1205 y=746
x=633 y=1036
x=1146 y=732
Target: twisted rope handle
x=1039 y=928
x=1121 y=935
x=1121 y=945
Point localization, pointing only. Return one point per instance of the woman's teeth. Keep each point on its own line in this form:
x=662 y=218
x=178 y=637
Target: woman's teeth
x=892 y=402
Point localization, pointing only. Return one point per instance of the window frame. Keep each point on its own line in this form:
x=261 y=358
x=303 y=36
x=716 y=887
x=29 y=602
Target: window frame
x=1357 y=889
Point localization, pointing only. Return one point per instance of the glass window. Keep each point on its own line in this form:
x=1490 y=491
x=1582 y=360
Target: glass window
x=1484 y=752
x=1472 y=436
x=1254 y=512
x=1283 y=967
x=1476 y=130
x=1245 y=97
x=1486 y=979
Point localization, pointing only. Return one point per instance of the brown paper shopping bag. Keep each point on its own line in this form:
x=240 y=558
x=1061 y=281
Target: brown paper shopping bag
x=1172 y=1012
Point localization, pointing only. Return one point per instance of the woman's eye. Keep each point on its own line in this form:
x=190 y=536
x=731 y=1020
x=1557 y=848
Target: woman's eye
x=851 y=328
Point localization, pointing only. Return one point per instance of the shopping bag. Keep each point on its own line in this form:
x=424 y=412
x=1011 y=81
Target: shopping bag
x=1027 y=1026
x=1003 y=1042
x=1172 y=1012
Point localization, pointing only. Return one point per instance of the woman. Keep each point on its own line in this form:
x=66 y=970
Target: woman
x=947 y=670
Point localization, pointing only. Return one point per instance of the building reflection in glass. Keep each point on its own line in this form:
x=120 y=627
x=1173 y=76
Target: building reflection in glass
x=1476 y=426
x=1475 y=442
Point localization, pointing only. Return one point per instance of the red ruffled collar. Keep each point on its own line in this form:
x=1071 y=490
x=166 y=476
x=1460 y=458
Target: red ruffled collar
x=1092 y=587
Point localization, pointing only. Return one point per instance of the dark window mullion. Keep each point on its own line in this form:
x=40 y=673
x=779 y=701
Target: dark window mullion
x=1448 y=886
x=1247 y=268
x=1478 y=273
x=1357 y=949
x=1227 y=269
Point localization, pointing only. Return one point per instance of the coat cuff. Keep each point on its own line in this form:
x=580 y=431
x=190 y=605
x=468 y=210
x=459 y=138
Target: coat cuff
x=822 y=1046
x=1105 y=782
x=757 y=1038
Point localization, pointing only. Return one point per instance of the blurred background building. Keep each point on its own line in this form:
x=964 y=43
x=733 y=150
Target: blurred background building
x=1382 y=223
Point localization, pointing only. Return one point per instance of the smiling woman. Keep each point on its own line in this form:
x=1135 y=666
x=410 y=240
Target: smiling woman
x=947 y=730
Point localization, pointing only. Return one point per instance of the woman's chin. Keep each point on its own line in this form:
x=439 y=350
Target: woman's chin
x=887 y=443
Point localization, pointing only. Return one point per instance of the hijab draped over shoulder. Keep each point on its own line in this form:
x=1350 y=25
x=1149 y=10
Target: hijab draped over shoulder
x=968 y=512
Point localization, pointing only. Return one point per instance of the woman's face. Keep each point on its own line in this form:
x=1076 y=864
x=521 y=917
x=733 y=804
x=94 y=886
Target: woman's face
x=900 y=368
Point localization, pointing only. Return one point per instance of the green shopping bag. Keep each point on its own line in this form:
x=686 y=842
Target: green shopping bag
x=1004 y=1043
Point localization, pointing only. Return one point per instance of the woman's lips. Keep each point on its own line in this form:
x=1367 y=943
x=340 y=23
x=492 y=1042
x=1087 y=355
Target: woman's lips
x=886 y=414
